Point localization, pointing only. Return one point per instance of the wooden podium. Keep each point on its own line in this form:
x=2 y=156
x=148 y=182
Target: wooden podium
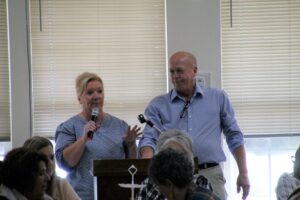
x=110 y=173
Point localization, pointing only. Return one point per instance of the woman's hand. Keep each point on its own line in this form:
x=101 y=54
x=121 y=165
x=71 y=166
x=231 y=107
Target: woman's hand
x=131 y=135
x=90 y=126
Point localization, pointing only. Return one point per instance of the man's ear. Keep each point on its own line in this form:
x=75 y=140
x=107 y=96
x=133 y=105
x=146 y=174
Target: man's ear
x=195 y=69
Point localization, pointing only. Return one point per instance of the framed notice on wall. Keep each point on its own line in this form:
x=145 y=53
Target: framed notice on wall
x=204 y=79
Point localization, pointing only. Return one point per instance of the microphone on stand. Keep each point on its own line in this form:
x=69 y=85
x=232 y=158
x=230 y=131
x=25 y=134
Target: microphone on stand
x=94 y=117
x=142 y=120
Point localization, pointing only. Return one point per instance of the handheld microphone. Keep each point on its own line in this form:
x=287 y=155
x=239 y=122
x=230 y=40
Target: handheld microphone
x=94 y=117
x=142 y=120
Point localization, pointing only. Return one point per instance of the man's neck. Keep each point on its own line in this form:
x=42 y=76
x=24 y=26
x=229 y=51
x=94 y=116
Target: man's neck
x=187 y=96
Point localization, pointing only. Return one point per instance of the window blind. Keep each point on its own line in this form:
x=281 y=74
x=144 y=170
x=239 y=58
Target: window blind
x=122 y=41
x=261 y=64
x=4 y=76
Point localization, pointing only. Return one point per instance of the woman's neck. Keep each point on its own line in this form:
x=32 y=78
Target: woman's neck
x=180 y=194
x=87 y=116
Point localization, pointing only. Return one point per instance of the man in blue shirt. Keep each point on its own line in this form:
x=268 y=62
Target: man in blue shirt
x=203 y=113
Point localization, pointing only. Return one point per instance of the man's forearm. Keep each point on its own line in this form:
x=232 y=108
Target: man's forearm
x=146 y=152
x=242 y=180
x=240 y=157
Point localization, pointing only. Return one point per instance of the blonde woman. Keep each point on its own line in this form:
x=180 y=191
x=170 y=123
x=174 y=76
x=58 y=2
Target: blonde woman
x=76 y=147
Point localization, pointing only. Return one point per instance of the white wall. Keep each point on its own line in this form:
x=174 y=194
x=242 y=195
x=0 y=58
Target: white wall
x=19 y=70
x=194 y=25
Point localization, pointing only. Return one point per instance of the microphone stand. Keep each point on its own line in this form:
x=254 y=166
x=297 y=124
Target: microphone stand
x=142 y=120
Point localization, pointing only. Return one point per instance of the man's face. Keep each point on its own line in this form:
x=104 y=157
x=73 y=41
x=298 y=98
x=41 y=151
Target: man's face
x=183 y=73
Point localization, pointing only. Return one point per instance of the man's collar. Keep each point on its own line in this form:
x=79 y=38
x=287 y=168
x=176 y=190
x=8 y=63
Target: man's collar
x=198 y=91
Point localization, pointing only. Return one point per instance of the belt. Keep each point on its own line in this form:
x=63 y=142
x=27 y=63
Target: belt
x=207 y=165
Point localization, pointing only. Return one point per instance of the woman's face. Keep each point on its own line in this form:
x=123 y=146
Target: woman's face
x=41 y=182
x=48 y=151
x=93 y=96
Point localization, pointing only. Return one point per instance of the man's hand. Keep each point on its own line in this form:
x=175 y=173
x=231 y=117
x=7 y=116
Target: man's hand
x=243 y=182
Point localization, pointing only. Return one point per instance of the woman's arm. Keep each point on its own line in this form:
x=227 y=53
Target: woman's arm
x=72 y=154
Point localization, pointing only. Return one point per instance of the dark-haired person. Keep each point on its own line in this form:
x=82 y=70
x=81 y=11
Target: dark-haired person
x=288 y=182
x=295 y=195
x=75 y=150
x=58 y=188
x=172 y=171
x=24 y=175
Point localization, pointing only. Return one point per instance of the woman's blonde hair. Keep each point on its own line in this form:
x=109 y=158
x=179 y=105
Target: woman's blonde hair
x=83 y=79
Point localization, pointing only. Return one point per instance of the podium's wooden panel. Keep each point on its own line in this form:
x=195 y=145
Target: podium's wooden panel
x=112 y=172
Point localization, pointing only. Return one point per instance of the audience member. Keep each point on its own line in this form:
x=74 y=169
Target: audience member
x=58 y=188
x=23 y=175
x=172 y=171
x=288 y=182
x=295 y=195
x=176 y=140
x=80 y=140
x=203 y=113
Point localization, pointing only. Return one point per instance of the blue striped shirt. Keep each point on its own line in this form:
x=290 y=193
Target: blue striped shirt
x=208 y=114
x=107 y=143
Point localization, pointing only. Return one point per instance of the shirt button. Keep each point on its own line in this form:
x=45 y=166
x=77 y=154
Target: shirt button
x=190 y=129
